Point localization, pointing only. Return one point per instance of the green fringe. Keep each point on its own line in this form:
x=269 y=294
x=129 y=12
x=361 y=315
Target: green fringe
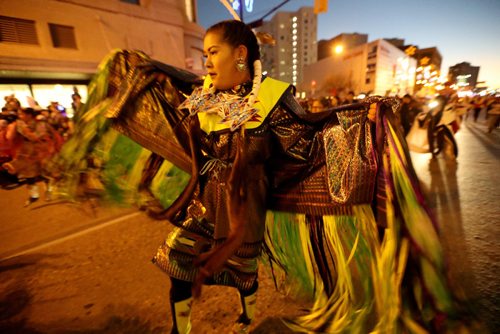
x=168 y=183
x=396 y=283
x=99 y=161
x=288 y=252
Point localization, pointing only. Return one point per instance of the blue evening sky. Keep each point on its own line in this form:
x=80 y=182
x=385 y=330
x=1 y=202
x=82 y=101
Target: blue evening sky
x=462 y=30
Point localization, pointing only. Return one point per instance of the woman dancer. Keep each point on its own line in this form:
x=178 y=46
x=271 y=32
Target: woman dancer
x=336 y=210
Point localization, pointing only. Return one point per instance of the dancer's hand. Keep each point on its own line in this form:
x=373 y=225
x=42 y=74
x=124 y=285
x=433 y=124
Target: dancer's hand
x=372 y=112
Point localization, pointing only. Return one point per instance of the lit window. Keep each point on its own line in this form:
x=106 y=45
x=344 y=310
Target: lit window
x=294 y=31
x=294 y=72
x=282 y=26
x=294 y=19
x=294 y=43
x=282 y=49
x=282 y=62
x=294 y=55
x=295 y=61
x=294 y=67
x=294 y=25
x=294 y=38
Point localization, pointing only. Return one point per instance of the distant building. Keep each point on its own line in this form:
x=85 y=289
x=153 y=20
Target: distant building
x=47 y=47
x=377 y=68
x=296 y=46
x=428 y=68
x=464 y=75
x=429 y=56
x=397 y=42
x=340 y=43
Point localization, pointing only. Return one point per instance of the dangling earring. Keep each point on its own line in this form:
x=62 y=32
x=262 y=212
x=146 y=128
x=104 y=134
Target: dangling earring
x=240 y=65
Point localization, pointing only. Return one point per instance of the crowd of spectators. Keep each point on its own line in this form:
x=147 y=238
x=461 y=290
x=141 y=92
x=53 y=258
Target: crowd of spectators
x=29 y=138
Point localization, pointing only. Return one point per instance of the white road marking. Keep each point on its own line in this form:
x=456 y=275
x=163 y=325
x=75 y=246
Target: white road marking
x=74 y=235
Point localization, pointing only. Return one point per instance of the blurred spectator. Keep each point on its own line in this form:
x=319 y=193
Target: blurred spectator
x=76 y=105
x=408 y=112
x=5 y=145
x=345 y=98
x=58 y=119
x=317 y=105
x=477 y=104
x=11 y=103
x=494 y=114
x=36 y=146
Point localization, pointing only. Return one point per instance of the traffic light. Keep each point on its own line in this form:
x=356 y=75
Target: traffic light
x=320 y=6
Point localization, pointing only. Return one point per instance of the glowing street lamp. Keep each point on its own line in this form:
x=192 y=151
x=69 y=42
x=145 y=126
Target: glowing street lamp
x=338 y=49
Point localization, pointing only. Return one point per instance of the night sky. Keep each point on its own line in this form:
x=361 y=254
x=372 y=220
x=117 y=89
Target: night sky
x=462 y=30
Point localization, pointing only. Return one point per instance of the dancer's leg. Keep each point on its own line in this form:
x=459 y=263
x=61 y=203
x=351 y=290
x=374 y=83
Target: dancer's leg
x=180 y=305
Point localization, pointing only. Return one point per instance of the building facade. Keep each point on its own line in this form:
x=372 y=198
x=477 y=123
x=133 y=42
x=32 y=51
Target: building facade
x=377 y=68
x=49 y=46
x=464 y=75
x=296 y=46
x=428 y=70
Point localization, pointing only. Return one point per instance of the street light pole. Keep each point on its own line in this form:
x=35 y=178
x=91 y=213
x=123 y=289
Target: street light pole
x=242 y=10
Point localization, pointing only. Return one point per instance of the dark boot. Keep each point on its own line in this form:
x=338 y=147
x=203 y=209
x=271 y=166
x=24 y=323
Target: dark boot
x=248 y=305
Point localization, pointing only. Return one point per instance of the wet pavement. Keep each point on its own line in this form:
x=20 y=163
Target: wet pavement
x=80 y=268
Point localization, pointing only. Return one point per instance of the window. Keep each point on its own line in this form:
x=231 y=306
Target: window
x=62 y=36
x=367 y=81
x=133 y=2
x=16 y=30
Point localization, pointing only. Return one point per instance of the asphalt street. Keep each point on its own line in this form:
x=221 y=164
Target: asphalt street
x=82 y=268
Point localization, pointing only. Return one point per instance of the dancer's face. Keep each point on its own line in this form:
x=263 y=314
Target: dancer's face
x=221 y=59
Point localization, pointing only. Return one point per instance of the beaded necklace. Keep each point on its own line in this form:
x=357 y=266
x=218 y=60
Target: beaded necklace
x=234 y=108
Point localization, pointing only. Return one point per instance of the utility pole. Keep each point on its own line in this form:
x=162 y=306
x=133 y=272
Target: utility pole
x=242 y=10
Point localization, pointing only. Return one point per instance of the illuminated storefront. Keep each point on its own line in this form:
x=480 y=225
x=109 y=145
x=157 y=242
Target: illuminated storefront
x=50 y=48
x=44 y=94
